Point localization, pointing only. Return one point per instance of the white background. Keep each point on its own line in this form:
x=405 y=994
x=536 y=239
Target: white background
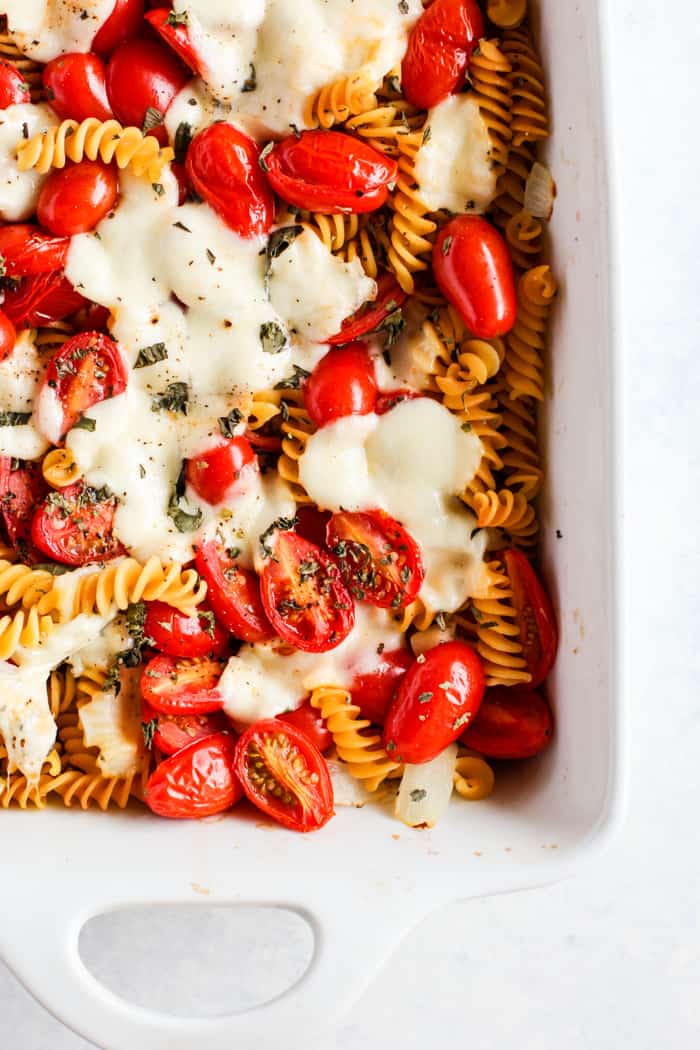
x=610 y=959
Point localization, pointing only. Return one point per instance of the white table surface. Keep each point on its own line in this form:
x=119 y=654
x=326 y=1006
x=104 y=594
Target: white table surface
x=610 y=959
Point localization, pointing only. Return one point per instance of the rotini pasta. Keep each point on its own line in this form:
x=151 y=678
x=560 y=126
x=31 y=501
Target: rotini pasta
x=489 y=73
x=27 y=629
x=93 y=789
x=492 y=621
x=473 y=778
x=523 y=371
x=529 y=115
x=348 y=236
x=30 y=70
x=60 y=468
x=507 y=14
x=411 y=231
x=357 y=745
x=94 y=138
x=19 y=583
x=344 y=98
x=295 y=428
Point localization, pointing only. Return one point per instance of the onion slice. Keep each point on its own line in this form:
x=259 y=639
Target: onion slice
x=425 y=790
x=347 y=791
x=540 y=192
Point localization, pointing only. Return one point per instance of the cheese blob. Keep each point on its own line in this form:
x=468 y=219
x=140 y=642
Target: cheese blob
x=43 y=29
x=19 y=190
x=454 y=167
x=21 y=373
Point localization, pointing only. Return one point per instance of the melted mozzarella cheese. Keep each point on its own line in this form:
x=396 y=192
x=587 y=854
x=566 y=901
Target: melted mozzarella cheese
x=267 y=679
x=20 y=378
x=44 y=29
x=111 y=722
x=411 y=462
x=454 y=168
x=19 y=190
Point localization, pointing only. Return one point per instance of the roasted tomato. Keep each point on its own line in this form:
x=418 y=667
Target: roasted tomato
x=308 y=721
x=380 y=561
x=75 y=199
x=439 y=47
x=26 y=250
x=124 y=22
x=198 y=781
x=391 y=398
x=304 y=596
x=538 y=625
x=75 y=526
x=375 y=315
x=22 y=488
x=179 y=635
x=88 y=368
x=223 y=167
x=143 y=78
x=511 y=723
x=181 y=686
x=434 y=702
x=176 y=35
x=13 y=88
x=8 y=336
x=474 y=270
x=329 y=171
x=284 y=775
x=215 y=475
x=75 y=87
x=341 y=384
x=374 y=690
x=170 y=733
x=41 y=299
x=312 y=524
x=233 y=593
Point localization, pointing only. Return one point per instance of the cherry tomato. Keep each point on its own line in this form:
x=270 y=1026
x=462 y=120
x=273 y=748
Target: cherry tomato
x=215 y=475
x=124 y=22
x=434 y=702
x=13 y=88
x=474 y=271
x=341 y=384
x=75 y=87
x=374 y=691
x=233 y=593
x=308 y=721
x=439 y=48
x=176 y=35
x=74 y=526
x=181 y=686
x=223 y=166
x=391 y=398
x=179 y=635
x=284 y=775
x=26 y=250
x=371 y=316
x=91 y=318
x=511 y=723
x=304 y=596
x=312 y=524
x=22 y=488
x=538 y=625
x=198 y=781
x=41 y=299
x=379 y=560
x=329 y=171
x=8 y=336
x=170 y=733
x=74 y=199
x=88 y=368
x=144 y=75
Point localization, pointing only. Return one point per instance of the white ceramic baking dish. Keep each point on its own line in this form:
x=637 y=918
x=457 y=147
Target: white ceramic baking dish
x=365 y=880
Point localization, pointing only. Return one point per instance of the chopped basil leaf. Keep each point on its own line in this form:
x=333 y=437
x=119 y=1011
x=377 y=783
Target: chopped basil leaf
x=461 y=721
x=85 y=423
x=174 y=398
x=262 y=160
x=151 y=355
x=272 y=338
x=210 y=256
x=252 y=81
x=152 y=119
x=228 y=424
x=418 y=794
x=176 y=18
x=14 y=419
x=293 y=382
x=280 y=240
x=183 y=520
x=149 y=730
x=183 y=138
x=279 y=524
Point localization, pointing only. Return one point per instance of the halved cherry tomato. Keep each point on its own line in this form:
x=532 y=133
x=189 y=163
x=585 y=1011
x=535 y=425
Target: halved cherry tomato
x=380 y=561
x=8 y=336
x=13 y=88
x=22 y=488
x=170 y=733
x=329 y=171
x=374 y=691
x=308 y=721
x=124 y=23
x=181 y=686
x=233 y=593
x=143 y=77
x=215 y=475
x=439 y=48
x=511 y=723
x=176 y=634
x=371 y=316
x=312 y=524
x=26 y=250
x=41 y=299
x=304 y=596
x=88 y=368
x=223 y=166
x=391 y=398
x=198 y=781
x=538 y=625
x=74 y=526
x=176 y=35
x=74 y=199
x=75 y=87
x=434 y=702
x=341 y=384
x=474 y=271
x=284 y=775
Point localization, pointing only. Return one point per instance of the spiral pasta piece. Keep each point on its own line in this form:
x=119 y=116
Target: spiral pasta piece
x=60 y=468
x=29 y=69
x=93 y=138
x=411 y=231
x=489 y=73
x=492 y=621
x=87 y=789
x=417 y=614
x=348 y=236
x=473 y=778
x=393 y=127
x=75 y=753
x=507 y=14
x=341 y=99
x=20 y=583
x=529 y=110
x=25 y=628
x=295 y=428
x=18 y=790
x=507 y=510
x=50 y=338
x=521 y=457
x=357 y=744
x=524 y=368
x=62 y=691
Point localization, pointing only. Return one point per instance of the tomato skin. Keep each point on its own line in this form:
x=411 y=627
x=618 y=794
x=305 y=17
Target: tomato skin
x=123 y=24
x=379 y=560
x=233 y=593
x=173 y=732
x=374 y=691
x=75 y=527
x=511 y=723
x=179 y=635
x=25 y=250
x=175 y=36
x=312 y=524
x=438 y=52
x=197 y=781
x=223 y=167
x=13 y=89
x=182 y=686
x=311 y=610
x=88 y=368
x=341 y=384
x=75 y=199
x=425 y=718
x=312 y=801
x=8 y=336
x=391 y=398
x=41 y=299
x=330 y=171
x=390 y=297
x=144 y=74
x=538 y=625
x=76 y=88
x=474 y=271
x=308 y=721
x=21 y=490
x=215 y=475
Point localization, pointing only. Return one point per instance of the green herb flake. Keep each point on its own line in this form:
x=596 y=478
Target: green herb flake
x=183 y=138
x=251 y=82
x=446 y=245
x=210 y=256
x=85 y=423
x=418 y=794
x=294 y=381
x=149 y=731
x=151 y=355
x=272 y=338
x=158 y=188
x=176 y=18
x=280 y=240
x=228 y=424
x=209 y=622
x=262 y=160
x=174 y=398
x=184 y=520
x=461 y=721
x=425 y=698
x=279 y=524
x=14 y=419
x=152 y=119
